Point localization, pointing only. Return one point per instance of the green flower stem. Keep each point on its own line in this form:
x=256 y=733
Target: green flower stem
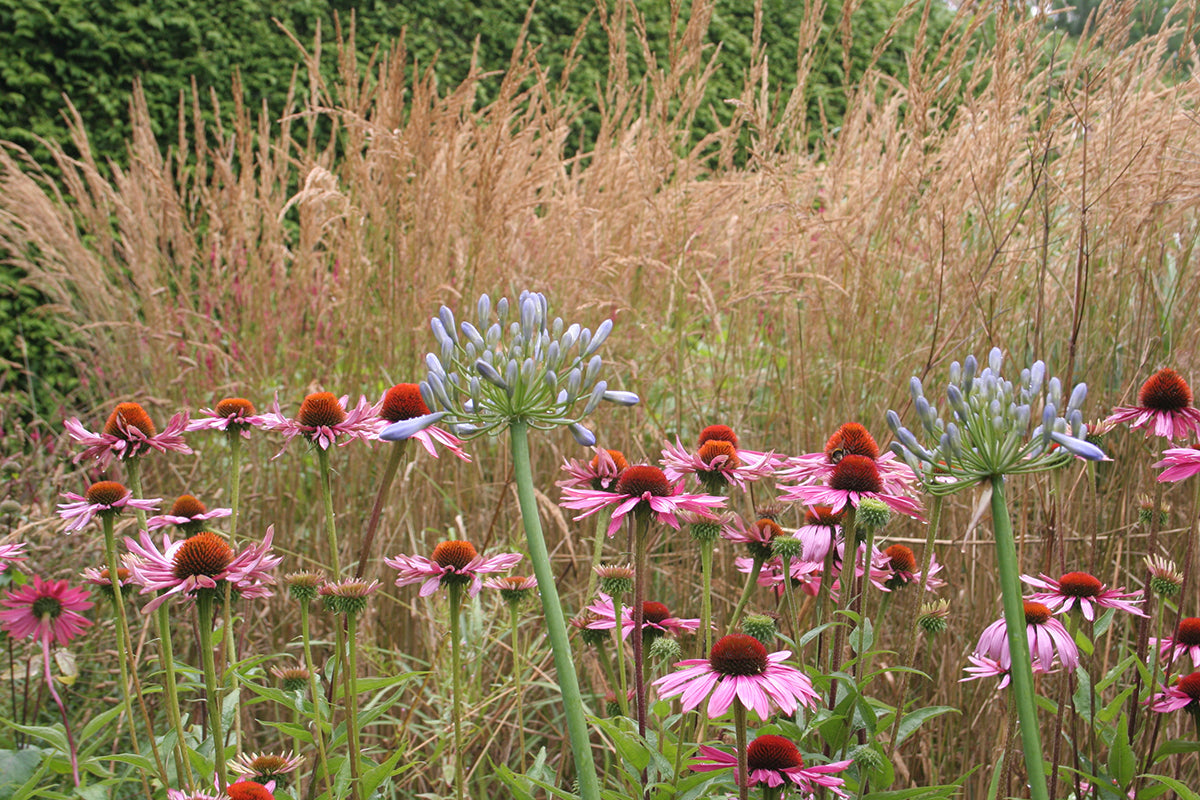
x=134 y=467
x=460 y=773
x=1014 y=618
x=183 y=764
x=739 y=727
x=314 y=690
x=351 y=687
x=621 y=688
x=788 y=601
x=125 y=649
x=747 y=590
x=204 y=609
x=1142 y=643
x=513 y=618
x=860 y=603
x=395 y=456
x=49 y=679
x=823 y=593
x=556 y=629
x=639 y=600
x=330 y=526
x=935 y=521
x=235 y=483
x=603 y=518
x=849 y=560
x=706 y=563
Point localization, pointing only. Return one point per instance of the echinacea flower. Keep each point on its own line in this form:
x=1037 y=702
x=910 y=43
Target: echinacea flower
x=264 y=766
x=756 y=537
x=11 y=553
x=233 y=415
x=1184 y=694
x=819 y=532
x=45 y=610
x=188 y=514
x=852 y=479
x=99 y=577
x=292 y=678
x=656 y=619
x=103 y=499
x=1186 y=640
x=408 y=417
x=513 y=588
x=452 y=562
x=348 y=596
x=128 y=433
x=241 y=789
x=1180 y=462
x=200 y=562
x=323 y=419
x=1047 y=639
x=739 y=667
x=851 y=439
x=805 y=575
x=901 y=563
x=774 y=761
x=987 y=667
x=640 y=490
x=1083 y=591
x=1164 y=407
x=600 y=473
x=717 y=461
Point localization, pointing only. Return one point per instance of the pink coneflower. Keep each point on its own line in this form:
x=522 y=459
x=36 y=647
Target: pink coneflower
x=851 y=439
x=11 y=553
x=756 y=537
x=1185 y=694
x=1164 y=407
x=1080 y=590
x=103 y=498
x=403 y=404
x=128 y=433
x=806 y=575
x=656 y=619
x=188 y=514
x=774 y=760
x=1047 y=638
x=739 y=667
x=820 y=530
x=513 y=588
x=264 y=766
x=852 y=479
x=250 y=790
x=99 y=577
x=1186 y=640
x=452 y=562
x=717 y=461
x=601 y=473
x=45 y=610
x=323 y=419
x=232 y=415
x=901 y=564
x=1180 y=462
x=985 y=667
x=203 y=561
x=640 y=490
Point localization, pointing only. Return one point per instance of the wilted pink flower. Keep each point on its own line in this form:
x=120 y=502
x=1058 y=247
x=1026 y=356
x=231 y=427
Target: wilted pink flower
x=11 y=553
x=452 y=562
x=600 y=473
x=656 y=618
x=1185 y=694
x=45 y=610
x=323 y=419
x=717 y=462
x=1047 y=639
x=853 y=478
x=231 y=415
x=187 y=513
x=1186 y=640
x=851 y=439
x=103 y=498
x=1180 y=462
x=128 y=433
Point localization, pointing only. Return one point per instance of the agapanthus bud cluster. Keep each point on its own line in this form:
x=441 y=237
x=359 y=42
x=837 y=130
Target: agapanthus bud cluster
x=496 y=370
x=996 y=427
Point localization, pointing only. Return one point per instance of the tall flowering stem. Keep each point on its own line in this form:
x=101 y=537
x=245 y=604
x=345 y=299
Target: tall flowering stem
x=61 y=708
x=640 y=536
x=849 y=561
x=395 y=456
x=314 y=690
x=166 y=650
x=739 y=729
x=556 y=627
x=460 y=772
x=204 y=610
x=1014 y=621
x=330 y=523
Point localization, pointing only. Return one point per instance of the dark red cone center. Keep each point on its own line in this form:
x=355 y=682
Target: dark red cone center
x=738 y=654
x=637 y=481
x=202 y=554
x=1189 y=631
x=774 y=753
x=403 y=401
x=234 y=407
x=1166 y=390
x=105 y=492
x=187 y=506
x=1080 y=584
x=455 y=554
x=130 y=415
x=1036 y=613
x=654 y=612
x=852 y=439
x=722 y=433
x=321 y=409
x=856 y=473
x=902 y=558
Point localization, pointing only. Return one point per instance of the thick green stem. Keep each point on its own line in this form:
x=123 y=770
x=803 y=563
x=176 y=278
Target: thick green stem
x=460 y=772
x=849 y=561
x=788 y=602
x=747 y=590
x=603 y=518
x=134 y=467
x=706 y=562
x=556 y=627
x=330 y=525
x=621 y=688
x=517 y=684
x=235 y=484
x=351 y=686
x=235 y=490
x=640 y=571
x=860 y=605
x=743 y=772
x=183 y=764
x=395 y=456
x=1014 y=618
x=314 y=690
x=204 y=609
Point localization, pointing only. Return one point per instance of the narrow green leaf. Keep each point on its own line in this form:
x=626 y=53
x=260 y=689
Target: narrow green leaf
x=1121 y=761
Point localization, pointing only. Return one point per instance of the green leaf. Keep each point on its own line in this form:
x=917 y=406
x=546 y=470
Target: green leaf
x=98 y=722
x=371 y=778
x=1174 y=747
x=862 y=637
x=55 y=737
x=1121 y=761
x=1180 y=788
x=16 y=768
x=915 y=719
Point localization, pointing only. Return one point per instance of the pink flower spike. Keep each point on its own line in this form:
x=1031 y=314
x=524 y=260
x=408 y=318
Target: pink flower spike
x=103 y=498
x=323 y=419
x=128 y=433
x=1082 y=591
x=1164 y=408
x=452 y=562
x=656 y=618
x=739 y=667
x=641 y=489
x=1180 y=462
x=45 y=610
x=774 y=760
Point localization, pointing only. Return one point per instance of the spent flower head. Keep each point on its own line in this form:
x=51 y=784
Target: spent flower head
x=233 y=415
x=188 y=514
x=102 y=499
x=452 y=562
x=513 y=588
x=347 y=596
x=495 y=371
x=996 y=427
x=304 y=586
x=1165 y=579
x=934 y=617
x=128 y=433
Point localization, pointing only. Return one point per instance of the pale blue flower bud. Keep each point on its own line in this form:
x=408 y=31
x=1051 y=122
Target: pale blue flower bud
x=582 y=435
x=476 y=392
x=597 y=395
x=910 y=443
x=439 y=390
x=969 y=367
x=893 y=421
x=473 y=335
x=574 y=384
x=1022 y=415
x=946 y=448
x=550 y=378
x=491 y=374
x=1054 y=389
x=593 y=371
x=1075 y=420
x=464 y=429
x=557 y=327
x=915 y=388
x=995 y=360
x=434 y=366
x=494 y=332
x=529 y=314
x=483 y=310
x=622 y=398
x=955 y=372
x=512 y=371
x=1078 y=395
x=1079 y=447
x=502 y=309
x=601 y=334
x=569 y=338
x=427 y=394
x=447 y=318
x=585 y=342
x=439 y=333
x=405 y=428
x=956 y=401
x=1037 y=374
x=1048 y=415
x=553 y=355
x=528 y=368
